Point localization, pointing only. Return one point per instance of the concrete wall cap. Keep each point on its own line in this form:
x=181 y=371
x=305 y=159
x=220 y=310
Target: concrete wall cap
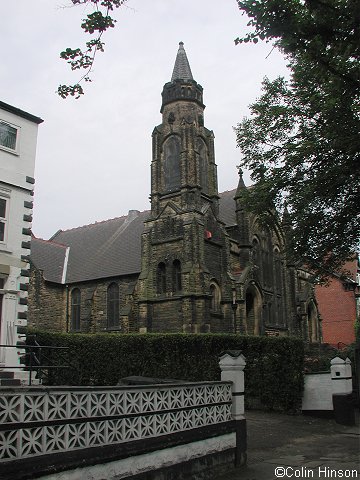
x=338 y=361
x=232 y=357
x=231 y=353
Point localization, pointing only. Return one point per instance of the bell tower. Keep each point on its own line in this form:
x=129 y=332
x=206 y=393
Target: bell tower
x=184 y=244
x=183 y=165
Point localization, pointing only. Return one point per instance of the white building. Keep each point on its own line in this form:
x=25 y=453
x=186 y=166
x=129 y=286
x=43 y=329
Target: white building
x=18 y=137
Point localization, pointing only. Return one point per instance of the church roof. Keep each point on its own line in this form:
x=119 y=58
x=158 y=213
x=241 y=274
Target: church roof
x=182 y=70
x=227 y=207
x=105 y=249
x=49 y=257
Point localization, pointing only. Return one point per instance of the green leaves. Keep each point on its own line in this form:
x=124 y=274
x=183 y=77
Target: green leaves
x=72 y=90
x=273 y=374
x=303 y=134
x=96 y=23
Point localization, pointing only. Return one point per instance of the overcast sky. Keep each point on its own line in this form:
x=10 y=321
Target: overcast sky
x=94 y=154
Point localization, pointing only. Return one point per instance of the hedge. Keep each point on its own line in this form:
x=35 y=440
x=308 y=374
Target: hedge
x=274 y=370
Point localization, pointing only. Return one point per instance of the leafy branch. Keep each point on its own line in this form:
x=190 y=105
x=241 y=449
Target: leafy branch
x=96 y=23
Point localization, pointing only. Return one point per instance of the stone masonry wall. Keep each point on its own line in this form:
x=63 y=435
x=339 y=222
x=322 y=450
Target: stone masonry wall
x=47 y=304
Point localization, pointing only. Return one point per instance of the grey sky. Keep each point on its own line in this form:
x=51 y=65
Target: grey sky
x=94 y=154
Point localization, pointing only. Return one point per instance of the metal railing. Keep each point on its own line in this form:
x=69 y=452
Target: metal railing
x=36 y=359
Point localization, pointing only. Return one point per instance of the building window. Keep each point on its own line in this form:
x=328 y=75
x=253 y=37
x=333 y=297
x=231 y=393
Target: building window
x=215 y=297
x=255 y=251
x=3 y=218
x=113 y=305
x=171 y=159
x=278 y=277
x=203 y=165
x=75 y=309
x=176 y=276
x=161 y=278
x=8 y=136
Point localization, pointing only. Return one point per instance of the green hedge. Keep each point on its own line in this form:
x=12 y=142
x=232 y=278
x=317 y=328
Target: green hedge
x=317 y=358
x=274 y=370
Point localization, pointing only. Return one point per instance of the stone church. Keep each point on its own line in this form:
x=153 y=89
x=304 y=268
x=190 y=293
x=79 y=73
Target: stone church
x=195 y=262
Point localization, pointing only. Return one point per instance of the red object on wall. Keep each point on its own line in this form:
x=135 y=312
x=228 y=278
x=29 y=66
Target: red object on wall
x=337 y=307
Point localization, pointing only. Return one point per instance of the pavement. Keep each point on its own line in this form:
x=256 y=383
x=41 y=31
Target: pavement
x=298 y=447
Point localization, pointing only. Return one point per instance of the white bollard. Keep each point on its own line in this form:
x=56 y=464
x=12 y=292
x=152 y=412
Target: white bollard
x=232 y=364
x=341 y=375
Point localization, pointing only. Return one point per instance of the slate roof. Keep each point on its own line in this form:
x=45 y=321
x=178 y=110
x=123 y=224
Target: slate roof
x=227 y=207
x=49 y=257
x=182 y=70
x=103 y=249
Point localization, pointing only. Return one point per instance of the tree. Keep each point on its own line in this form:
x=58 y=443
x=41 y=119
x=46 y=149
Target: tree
x=302 y=139
x=96 y=23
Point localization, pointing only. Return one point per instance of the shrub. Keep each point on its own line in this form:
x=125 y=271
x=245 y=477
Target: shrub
x=273 y=374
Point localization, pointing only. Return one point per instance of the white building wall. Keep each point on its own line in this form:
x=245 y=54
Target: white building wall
x=318 y=392
x=16 y=188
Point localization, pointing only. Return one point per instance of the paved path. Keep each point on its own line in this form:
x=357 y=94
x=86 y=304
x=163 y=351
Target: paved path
x=302 y=446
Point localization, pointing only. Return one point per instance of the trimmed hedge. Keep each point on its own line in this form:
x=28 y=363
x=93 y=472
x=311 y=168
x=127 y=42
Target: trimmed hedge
x=317 y=358
x=273 y=374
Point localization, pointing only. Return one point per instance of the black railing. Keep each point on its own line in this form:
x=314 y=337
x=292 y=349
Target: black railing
x=37 y=358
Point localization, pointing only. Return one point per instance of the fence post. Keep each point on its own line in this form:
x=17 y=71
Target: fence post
x=341 y=376
x=232 y=364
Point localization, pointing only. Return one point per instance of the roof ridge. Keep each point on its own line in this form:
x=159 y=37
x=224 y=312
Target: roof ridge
x=91 y=224
x=49 y=241
x=98 y=222
x=228 y=191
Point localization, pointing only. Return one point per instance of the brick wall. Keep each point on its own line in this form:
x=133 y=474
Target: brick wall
x=337 y=306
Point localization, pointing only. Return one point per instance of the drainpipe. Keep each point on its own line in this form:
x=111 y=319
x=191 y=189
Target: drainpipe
x=67 y=308
x=63 y=280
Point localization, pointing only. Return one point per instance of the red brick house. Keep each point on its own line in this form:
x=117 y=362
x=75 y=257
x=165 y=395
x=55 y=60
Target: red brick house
x=338 y=304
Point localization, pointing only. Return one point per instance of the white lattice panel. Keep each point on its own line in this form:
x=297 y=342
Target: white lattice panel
x=57 y=421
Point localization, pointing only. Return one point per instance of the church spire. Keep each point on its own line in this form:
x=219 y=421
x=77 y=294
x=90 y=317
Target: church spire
x=182 y=86
x=241 y=185
x=182 y=70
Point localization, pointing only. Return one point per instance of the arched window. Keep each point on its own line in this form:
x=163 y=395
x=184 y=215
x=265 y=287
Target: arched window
x=253 y=308
x=278 y=276
x=255 y=252
x=215 y=297
x=267 y=258
x=176 y=276
x=203 y=164
x=113 y=305
x=171 y=157
x=161 y=278
x=75 y=309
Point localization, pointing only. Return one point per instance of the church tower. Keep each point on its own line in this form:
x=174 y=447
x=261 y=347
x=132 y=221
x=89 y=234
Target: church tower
x=183 y=166
x=184 y=245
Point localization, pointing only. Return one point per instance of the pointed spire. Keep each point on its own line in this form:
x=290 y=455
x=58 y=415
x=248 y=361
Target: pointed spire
x=241 y=185
x=182 y=67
